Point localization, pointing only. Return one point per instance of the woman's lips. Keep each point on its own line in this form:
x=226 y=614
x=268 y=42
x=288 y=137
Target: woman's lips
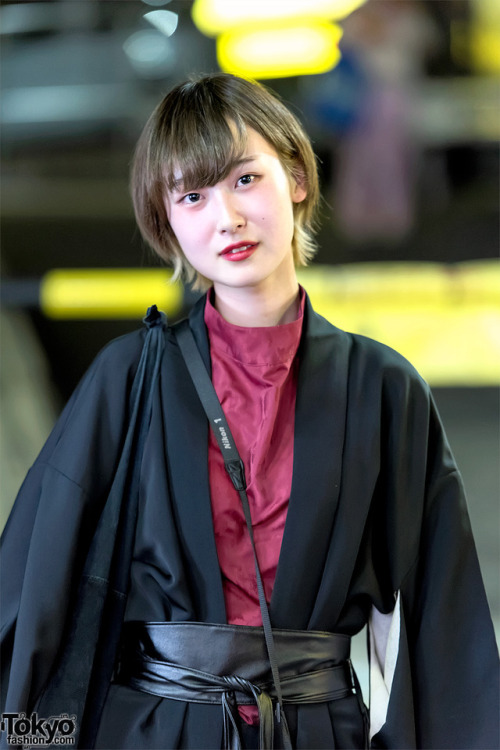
x=239 y=251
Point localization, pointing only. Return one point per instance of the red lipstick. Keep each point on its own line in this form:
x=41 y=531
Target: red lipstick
x=239 y=251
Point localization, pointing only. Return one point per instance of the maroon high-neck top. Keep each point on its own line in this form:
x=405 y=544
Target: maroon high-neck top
x=254 y=372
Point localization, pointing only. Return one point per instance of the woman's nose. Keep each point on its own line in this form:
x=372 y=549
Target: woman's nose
x=229 y=215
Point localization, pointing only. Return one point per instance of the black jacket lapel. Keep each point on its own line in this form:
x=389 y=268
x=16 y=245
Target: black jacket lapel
x=318 y=446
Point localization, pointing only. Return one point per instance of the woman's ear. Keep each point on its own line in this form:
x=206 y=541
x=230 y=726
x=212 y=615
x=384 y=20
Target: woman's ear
x=299 y=185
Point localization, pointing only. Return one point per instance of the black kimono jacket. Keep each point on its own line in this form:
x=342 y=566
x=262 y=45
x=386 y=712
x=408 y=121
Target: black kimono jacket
x=377 y=531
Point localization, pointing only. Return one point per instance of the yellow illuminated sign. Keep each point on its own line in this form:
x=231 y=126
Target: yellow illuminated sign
x=279 y=51
x=108 y=292
x=444 y=319
x=215 y=16
x=266 y=39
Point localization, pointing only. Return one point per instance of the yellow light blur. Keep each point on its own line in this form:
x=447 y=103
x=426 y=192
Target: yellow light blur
x=477 y=43
x=108 y=293
x=215 y=16
x=444 y=319
x=485 y=50
x=279 y=51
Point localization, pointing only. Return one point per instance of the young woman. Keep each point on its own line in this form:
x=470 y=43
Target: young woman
x=146 y=625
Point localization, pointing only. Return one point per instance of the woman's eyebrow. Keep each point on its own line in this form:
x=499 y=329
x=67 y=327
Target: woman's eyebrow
x=239 y=162
x=243 y=160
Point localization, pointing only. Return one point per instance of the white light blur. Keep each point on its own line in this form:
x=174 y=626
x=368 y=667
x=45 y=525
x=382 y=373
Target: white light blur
x=39 y=104
x=149 y=53
x=163 y=20
x=156 y=3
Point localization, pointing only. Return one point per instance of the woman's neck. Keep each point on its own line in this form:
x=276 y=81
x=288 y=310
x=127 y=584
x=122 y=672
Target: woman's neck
x=258 y=306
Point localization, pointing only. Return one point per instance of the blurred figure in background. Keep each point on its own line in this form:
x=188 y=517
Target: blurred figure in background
x=374 y=193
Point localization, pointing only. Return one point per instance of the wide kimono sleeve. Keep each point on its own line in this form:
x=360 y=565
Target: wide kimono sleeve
x=434 y=661
x=46 y=538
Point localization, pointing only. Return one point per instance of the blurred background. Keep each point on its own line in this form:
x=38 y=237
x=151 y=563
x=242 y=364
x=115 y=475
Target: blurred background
x=402 y=101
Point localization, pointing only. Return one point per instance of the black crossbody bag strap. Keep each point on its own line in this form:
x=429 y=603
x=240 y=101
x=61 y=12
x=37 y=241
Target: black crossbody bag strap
x=236 y=470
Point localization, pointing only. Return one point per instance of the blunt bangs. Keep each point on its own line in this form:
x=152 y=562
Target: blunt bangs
x=198 y=147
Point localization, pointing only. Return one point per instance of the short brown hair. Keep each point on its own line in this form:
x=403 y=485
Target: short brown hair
x=190 y=129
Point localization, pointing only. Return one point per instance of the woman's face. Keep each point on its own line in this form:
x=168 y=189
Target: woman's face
x=239 y=232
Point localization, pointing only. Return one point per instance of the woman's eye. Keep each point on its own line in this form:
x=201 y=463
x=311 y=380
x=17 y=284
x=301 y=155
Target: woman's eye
x=247 y=179
x=191 y=198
